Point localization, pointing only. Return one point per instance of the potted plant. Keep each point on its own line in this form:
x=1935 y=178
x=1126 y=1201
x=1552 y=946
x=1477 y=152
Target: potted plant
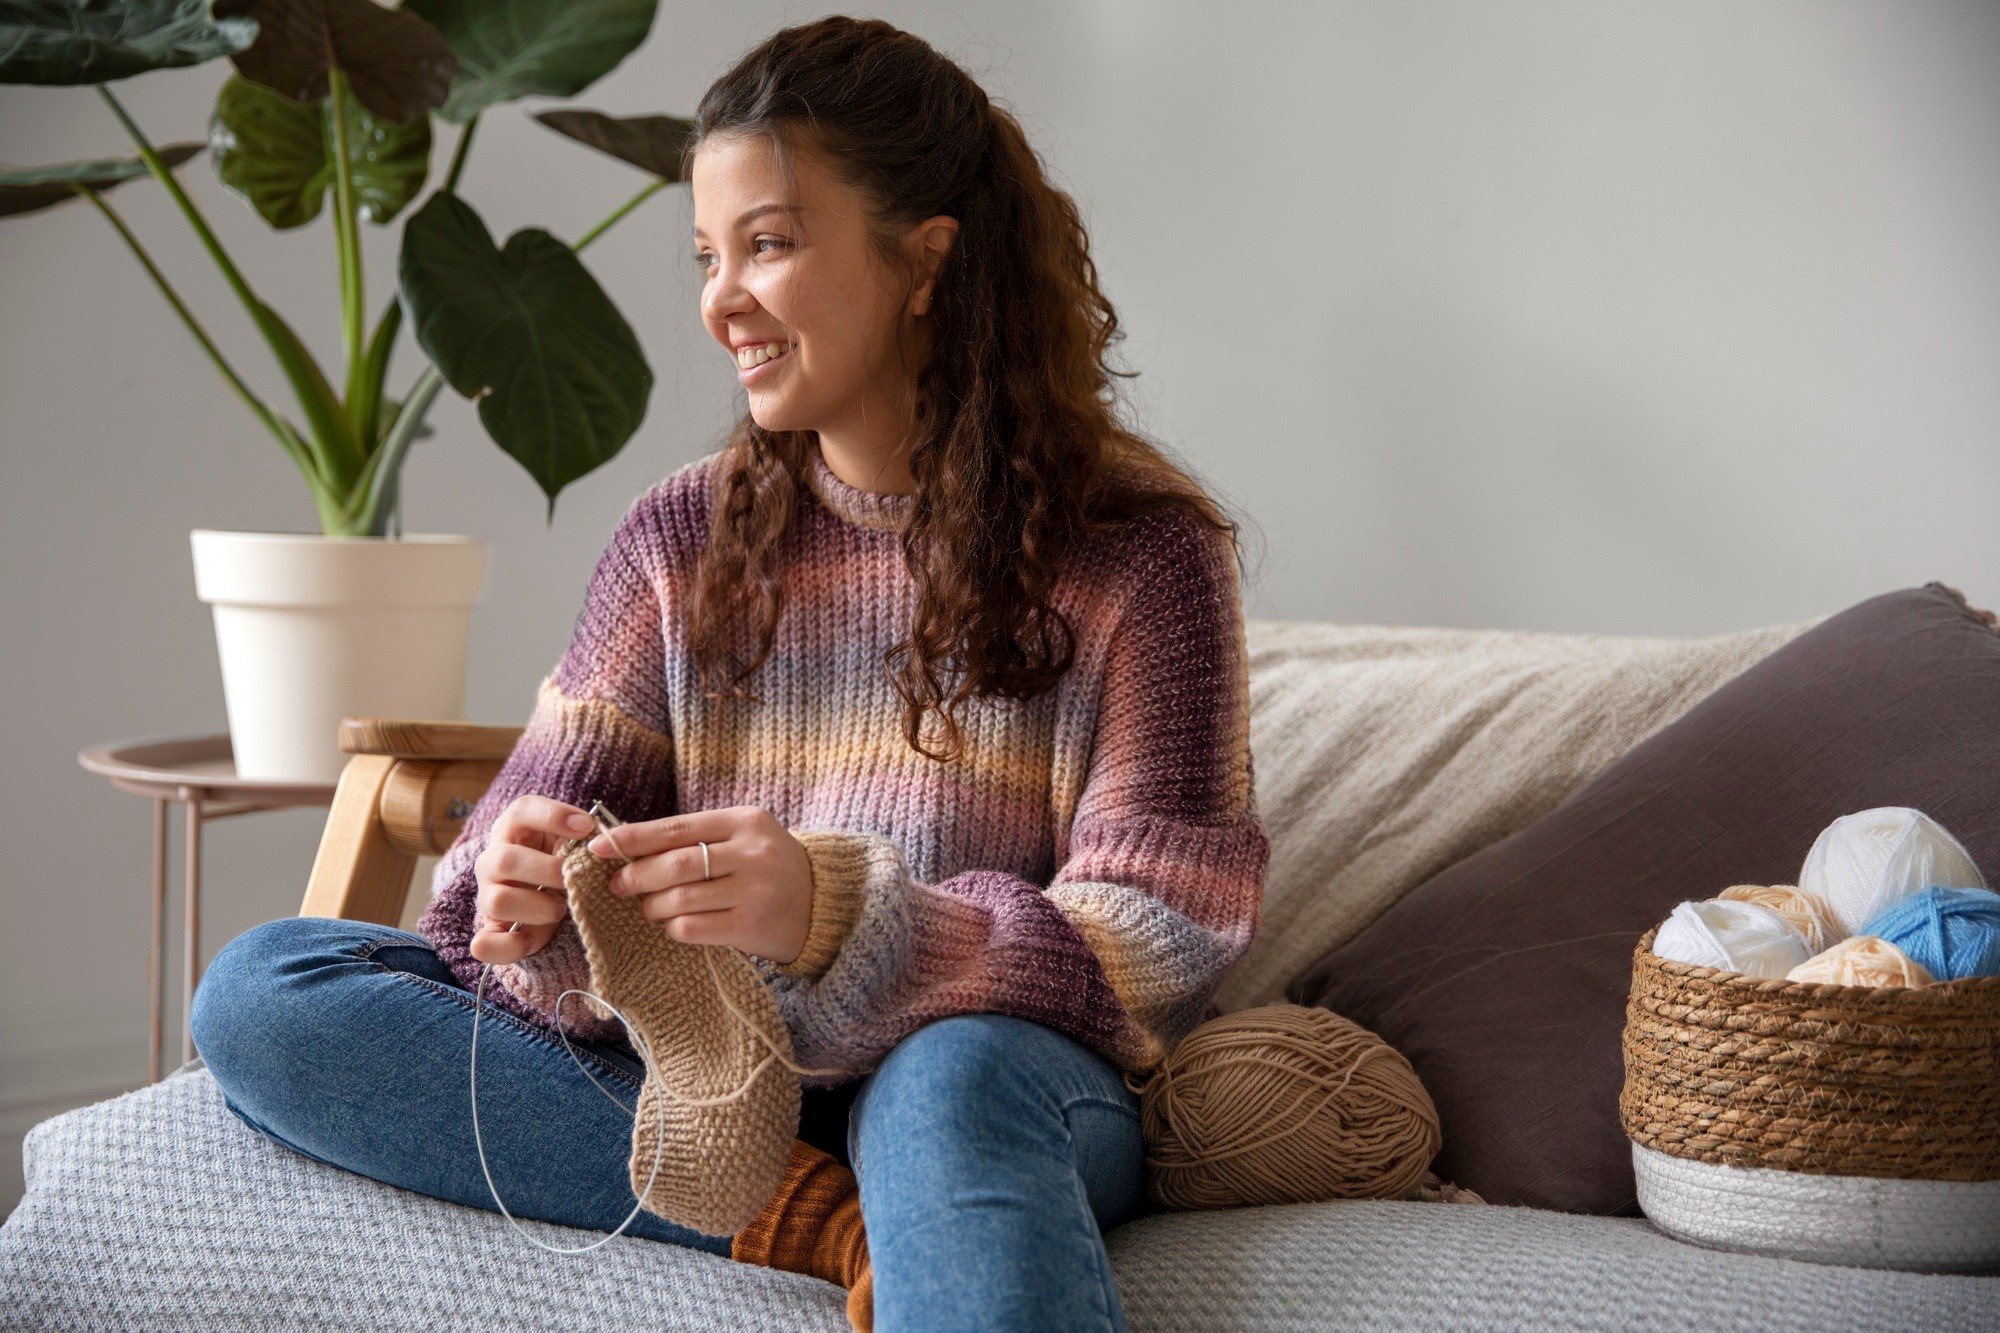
x=340 y=98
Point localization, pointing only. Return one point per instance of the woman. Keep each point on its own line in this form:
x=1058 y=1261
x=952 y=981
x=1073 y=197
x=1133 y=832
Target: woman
x=946 y=669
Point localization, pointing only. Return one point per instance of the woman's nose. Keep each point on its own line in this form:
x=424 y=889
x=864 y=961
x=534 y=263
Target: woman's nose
x=724 y=295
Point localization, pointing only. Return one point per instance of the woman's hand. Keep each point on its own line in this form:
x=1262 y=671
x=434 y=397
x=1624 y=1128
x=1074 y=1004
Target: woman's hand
x=514 y=871
x=759 y=894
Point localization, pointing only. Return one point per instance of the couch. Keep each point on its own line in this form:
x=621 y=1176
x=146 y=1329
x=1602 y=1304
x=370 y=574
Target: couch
x=1383 y=756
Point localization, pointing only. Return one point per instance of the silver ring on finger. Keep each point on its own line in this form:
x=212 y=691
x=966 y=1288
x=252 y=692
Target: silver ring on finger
x=704 y=860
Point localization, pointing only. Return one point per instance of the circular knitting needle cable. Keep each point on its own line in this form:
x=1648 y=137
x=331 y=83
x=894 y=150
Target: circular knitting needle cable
x=659 y=1153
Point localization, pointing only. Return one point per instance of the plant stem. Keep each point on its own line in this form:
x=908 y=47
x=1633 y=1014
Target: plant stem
x=379 y=480
x=323 y=410
x=379 y=488
x=659 y=183
x=243 y=390
x=364 y=407
x=285 y=437
x=167 y=178
x=450 y=185
x=347 y=238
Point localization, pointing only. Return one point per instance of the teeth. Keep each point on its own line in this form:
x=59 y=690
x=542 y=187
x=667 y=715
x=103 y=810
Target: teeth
x=760 y=353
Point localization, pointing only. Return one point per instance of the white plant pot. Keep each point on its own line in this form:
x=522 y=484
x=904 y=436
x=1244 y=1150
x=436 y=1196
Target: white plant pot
x=311 y=629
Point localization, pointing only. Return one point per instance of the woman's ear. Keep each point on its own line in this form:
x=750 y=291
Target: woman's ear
x=931 y=240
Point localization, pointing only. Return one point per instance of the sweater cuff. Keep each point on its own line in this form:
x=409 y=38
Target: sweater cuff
x=840 y=873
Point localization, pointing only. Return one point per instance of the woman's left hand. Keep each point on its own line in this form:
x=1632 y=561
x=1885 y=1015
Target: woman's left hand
x=758 y=897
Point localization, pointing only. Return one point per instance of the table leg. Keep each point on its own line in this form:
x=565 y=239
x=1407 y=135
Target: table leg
x=156 y=971
x=191 y=970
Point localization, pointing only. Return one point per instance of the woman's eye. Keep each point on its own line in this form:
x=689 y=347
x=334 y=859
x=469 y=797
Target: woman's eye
x=705 y=260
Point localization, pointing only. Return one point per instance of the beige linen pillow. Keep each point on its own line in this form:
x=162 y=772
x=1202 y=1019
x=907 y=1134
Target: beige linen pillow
x=1384 y=754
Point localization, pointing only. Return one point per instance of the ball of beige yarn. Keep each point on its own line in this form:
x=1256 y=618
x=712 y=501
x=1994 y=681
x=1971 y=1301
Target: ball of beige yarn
x=1862 y=960
x=1807 y=913
x=1285 y=1104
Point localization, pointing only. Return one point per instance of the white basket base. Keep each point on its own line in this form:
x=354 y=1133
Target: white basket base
x=1933 y=1226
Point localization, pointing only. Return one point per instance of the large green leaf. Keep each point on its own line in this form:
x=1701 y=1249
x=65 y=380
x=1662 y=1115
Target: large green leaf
x=558 y=374
x=397 y=64
x=651 y=143
x=97 y=41
x=275 y=152
x=30 y=188
x=518 y=48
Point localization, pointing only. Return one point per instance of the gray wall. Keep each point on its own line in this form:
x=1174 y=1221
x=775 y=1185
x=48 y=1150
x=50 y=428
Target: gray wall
x=1672 y=318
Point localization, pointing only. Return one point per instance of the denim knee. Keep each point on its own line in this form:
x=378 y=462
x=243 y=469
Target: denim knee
x=989 y=1096
x=239 y=1015
x=963 y=1052
x=976 y=1061
x=235 y=986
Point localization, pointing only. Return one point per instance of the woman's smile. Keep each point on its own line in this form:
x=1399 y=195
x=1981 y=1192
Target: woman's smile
x=756 y=362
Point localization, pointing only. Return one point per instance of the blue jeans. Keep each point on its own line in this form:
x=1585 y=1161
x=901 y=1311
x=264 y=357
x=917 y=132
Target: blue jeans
x=992 y=1152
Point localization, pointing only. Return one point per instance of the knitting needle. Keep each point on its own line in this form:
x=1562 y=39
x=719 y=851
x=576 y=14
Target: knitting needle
x=605 y=819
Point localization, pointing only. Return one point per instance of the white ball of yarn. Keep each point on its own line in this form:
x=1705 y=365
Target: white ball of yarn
x=1733 y=936
x=1807 y=913
x=1863 y=862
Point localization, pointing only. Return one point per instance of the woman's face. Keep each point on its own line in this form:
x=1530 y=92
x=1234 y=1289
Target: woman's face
x=808 y=309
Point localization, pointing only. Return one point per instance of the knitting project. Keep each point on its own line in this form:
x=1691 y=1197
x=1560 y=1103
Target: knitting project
x=721 y=1116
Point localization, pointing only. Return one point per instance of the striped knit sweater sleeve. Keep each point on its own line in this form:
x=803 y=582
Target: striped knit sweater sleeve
x=1159 y=875
x=599 y=730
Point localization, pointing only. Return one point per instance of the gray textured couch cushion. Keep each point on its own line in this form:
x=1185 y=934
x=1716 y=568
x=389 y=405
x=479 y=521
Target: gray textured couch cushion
x=161 y=1210
x=1431 y=1265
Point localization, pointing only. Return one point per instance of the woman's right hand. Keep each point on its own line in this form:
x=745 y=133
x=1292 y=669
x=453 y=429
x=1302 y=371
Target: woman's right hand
x=515 y=873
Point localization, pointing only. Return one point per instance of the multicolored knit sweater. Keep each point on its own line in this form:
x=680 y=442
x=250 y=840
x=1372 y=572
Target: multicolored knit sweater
x=1093 y=862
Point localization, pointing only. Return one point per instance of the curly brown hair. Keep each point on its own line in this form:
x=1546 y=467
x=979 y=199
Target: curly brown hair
x=1019 y=451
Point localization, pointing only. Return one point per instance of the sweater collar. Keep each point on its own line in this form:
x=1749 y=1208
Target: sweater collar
x=879 y=510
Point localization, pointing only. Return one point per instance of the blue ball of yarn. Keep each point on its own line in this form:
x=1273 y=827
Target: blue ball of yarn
x=1952 y=932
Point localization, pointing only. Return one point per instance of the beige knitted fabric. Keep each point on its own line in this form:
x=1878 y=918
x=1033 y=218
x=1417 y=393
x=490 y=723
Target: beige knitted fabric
x=1385 y=754
x=723 y=1155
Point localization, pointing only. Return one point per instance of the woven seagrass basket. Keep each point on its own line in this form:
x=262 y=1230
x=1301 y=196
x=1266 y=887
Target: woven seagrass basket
x=1842 y=1124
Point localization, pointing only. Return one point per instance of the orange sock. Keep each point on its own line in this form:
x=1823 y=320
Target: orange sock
x=813 y=1225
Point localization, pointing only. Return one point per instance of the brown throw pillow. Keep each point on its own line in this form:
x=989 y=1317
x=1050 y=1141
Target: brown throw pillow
x=1503 y=978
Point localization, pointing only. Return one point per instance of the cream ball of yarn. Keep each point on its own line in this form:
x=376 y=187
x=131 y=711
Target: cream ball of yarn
x=1861 y=960
x=1864 y=862
x=1806 y=913
x=1730 y=935
x=1285 y=1104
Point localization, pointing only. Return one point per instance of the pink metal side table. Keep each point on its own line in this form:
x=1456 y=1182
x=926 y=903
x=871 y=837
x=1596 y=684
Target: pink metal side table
x=200 y=772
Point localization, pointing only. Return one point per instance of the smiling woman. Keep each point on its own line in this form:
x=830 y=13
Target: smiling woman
x=821 y=322
x=925 y=702
x=859 y=199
